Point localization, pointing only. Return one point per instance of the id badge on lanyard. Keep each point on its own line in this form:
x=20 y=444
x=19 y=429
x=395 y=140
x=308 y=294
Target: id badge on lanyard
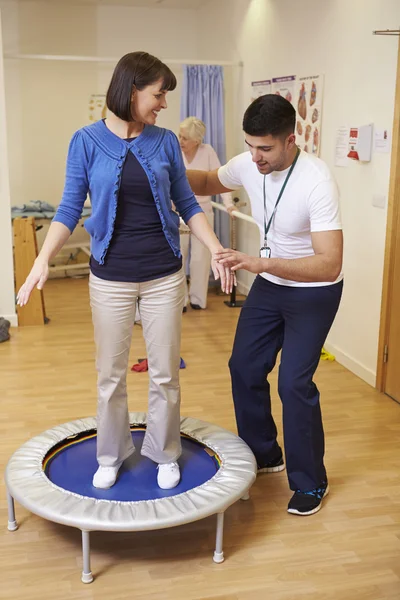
x=265 y=251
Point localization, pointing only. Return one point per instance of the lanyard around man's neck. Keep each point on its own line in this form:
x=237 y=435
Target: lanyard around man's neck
x=267 y=226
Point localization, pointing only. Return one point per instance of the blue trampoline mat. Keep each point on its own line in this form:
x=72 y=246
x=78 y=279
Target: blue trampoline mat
x=72 y=468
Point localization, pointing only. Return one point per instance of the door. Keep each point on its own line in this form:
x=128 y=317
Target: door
x=388 y=368
x=392 y=347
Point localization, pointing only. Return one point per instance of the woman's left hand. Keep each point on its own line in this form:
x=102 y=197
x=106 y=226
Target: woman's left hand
x=224 y=273
x=235 y=260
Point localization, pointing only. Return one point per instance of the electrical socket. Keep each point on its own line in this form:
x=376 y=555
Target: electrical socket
x=379 y=200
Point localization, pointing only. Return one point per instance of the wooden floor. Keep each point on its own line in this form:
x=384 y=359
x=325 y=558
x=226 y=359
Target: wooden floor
x=348 y=551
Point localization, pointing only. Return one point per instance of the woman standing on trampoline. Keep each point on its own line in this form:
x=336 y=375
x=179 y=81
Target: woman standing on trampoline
x=132 y=170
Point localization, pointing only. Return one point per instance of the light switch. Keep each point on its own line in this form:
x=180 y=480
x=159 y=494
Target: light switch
x=379 y=200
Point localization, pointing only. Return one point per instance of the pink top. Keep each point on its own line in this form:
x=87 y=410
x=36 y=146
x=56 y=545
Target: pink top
x=206 y=159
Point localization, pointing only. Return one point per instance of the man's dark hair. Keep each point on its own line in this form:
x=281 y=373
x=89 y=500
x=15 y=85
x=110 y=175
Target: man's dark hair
x=136 y=69
x=269 y=115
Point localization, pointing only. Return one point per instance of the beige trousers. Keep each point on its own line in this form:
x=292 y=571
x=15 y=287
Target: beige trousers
x=199 y=268
x=113 y=311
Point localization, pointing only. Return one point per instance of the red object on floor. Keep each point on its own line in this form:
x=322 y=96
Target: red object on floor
x=141 y=366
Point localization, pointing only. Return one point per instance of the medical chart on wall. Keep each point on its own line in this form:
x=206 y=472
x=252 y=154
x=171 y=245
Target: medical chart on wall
x=382 y=141
x=305 y=93
x=97 y=107
x=342 y=146
x=308 y=104
x=284 y=86
x=260 y=88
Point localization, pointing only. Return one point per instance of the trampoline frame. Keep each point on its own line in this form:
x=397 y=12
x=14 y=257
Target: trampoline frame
x=27 y=483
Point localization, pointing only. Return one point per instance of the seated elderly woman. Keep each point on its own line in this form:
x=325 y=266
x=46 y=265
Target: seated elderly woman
x=202 y=157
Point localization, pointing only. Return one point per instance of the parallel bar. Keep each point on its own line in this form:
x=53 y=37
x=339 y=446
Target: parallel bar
x=235 y=213
x=233 y=303
x=85 y=249
x=73 y=267
x=386 y=32
x=81 y=246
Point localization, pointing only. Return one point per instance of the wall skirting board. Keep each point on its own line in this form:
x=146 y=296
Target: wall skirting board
x=352 y=365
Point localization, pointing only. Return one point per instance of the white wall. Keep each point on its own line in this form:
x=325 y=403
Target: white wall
x=52 y=97
x=334 y=38
x=165 y=33
x=48 y=100
x=7 y=305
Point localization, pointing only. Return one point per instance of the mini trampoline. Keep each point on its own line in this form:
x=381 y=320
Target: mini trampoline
x=51 y=475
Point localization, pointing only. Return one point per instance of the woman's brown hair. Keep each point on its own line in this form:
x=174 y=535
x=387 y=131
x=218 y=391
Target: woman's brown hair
x=135 y=70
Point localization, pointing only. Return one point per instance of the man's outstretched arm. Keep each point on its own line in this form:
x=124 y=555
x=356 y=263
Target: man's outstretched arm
x=205 y=183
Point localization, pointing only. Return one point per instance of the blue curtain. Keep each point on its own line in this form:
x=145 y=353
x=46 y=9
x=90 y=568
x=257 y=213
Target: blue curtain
x=203 y=97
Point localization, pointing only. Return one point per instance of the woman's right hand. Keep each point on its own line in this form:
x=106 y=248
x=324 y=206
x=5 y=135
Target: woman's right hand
x=37 y=277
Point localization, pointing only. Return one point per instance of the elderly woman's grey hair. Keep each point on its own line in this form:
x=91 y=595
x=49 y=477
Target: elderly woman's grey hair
x=194 y=128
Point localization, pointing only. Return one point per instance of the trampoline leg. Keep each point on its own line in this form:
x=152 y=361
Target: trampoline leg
x=12 y=523
x=218 y=554
x=87 y=576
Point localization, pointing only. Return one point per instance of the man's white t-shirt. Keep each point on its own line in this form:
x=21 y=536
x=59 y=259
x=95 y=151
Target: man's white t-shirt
x=310 y=203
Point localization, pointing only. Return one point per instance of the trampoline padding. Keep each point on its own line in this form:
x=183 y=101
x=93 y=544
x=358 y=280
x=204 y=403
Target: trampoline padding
x=78 y=507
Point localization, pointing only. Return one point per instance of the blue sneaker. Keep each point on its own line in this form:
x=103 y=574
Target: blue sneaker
x=308 y=503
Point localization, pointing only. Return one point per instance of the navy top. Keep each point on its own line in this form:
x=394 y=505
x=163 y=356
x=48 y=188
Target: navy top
x=139 y=250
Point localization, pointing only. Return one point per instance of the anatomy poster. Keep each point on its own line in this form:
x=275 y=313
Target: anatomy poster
x=284 y=86
x=305 y=93
x=97 y=107
x=308 y=104
x=260 y=88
